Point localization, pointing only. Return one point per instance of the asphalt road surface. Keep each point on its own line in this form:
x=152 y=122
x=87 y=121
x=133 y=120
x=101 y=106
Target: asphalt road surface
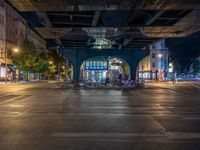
x=159 y=117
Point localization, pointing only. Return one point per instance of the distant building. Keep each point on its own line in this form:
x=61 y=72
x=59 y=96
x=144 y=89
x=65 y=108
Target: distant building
x=15 y=33
x=2 y=41
x=36 y=39
x=14 y=30
x=191 y=66
x=145 y=68
x=155 y=66
x=39 y=44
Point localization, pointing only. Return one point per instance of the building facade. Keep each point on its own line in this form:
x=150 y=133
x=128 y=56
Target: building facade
x=191 y=70
x=155 y=66
x=2 y=41
x=15 y=33
x=14 y=30
x=38 y=42
x=39 y=45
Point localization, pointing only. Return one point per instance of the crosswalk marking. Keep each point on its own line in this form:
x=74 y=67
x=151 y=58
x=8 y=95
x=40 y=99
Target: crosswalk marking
x=167 y=135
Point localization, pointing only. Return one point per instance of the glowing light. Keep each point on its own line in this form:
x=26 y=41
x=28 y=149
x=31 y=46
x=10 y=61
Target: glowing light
x=160 y=55
x=16 y=50
x=102 y=43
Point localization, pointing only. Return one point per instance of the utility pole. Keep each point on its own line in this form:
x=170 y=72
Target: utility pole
x=6 y=65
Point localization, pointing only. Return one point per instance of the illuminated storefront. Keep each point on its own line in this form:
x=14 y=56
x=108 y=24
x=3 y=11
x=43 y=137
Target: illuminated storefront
x=100 y=68
x=2 y=72
x=94 y=70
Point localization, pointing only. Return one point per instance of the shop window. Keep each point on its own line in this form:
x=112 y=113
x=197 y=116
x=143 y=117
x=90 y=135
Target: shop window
x=153 y=64
x=153 y=55
x=1 y=52
x=9 y=53
x=1 y=19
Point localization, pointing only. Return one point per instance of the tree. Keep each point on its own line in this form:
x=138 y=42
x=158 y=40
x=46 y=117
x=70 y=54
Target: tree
x=53 y=69
x=177 y=66
x=40 y=66
x=196 y=67
x=30 y=60
x=57 y=64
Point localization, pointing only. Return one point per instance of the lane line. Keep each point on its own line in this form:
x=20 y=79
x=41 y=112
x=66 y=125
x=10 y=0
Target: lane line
x=198 y=87
x=104 y=135
x=10 y=100
x=167 y=135
x=157 y=123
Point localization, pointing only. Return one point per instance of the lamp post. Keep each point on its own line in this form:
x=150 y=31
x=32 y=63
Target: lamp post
x=160 y=67
x=50 y=62
x=6 y=64
x=160 y=55
x=6 y=73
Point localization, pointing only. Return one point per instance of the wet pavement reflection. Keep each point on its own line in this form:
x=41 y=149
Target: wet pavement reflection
x=37 y=117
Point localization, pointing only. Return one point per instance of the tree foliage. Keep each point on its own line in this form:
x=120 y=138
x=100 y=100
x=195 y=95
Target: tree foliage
x=177 y=66
x=30 y=60
x=52 y=69
x=196 y=67
x=57 y=63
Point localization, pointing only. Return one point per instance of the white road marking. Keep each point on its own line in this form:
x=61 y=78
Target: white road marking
x=168 y=135
x=191 y=118
x=198 y=87
x=104 y=135
x=157 y=123
x=182 y=135
x=12 y=99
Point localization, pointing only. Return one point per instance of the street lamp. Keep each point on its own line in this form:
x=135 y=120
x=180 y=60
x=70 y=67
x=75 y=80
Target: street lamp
x=160 y=66
x=160 y=55
x=16 y=50
x=50 y=62
x=170 y=67
x=170 y=64
x=6 y=56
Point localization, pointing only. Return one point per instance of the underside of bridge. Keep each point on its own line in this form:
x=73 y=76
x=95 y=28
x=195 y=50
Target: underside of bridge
x=83 y=28
x=185 y=50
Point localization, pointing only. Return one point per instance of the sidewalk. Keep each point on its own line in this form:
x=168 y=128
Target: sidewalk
x=168 y=84
x=179 y=85
x=19 y=82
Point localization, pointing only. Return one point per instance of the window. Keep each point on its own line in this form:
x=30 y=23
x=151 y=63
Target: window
x=154 y=64
x=1 y=52
x=1 y=19
x=162 y=43
x=153 y=55
x=9 y=53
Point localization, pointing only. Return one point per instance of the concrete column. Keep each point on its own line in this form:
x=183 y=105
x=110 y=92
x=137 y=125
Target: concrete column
x=133 y=67
x=76 y=66
x=133 y=70
x=76 y=72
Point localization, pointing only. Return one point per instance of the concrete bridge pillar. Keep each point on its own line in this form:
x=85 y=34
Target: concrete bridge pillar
x=77 y=57
x=133 y=71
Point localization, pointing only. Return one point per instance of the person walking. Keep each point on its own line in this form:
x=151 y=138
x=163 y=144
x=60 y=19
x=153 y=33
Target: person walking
x=174 y=78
